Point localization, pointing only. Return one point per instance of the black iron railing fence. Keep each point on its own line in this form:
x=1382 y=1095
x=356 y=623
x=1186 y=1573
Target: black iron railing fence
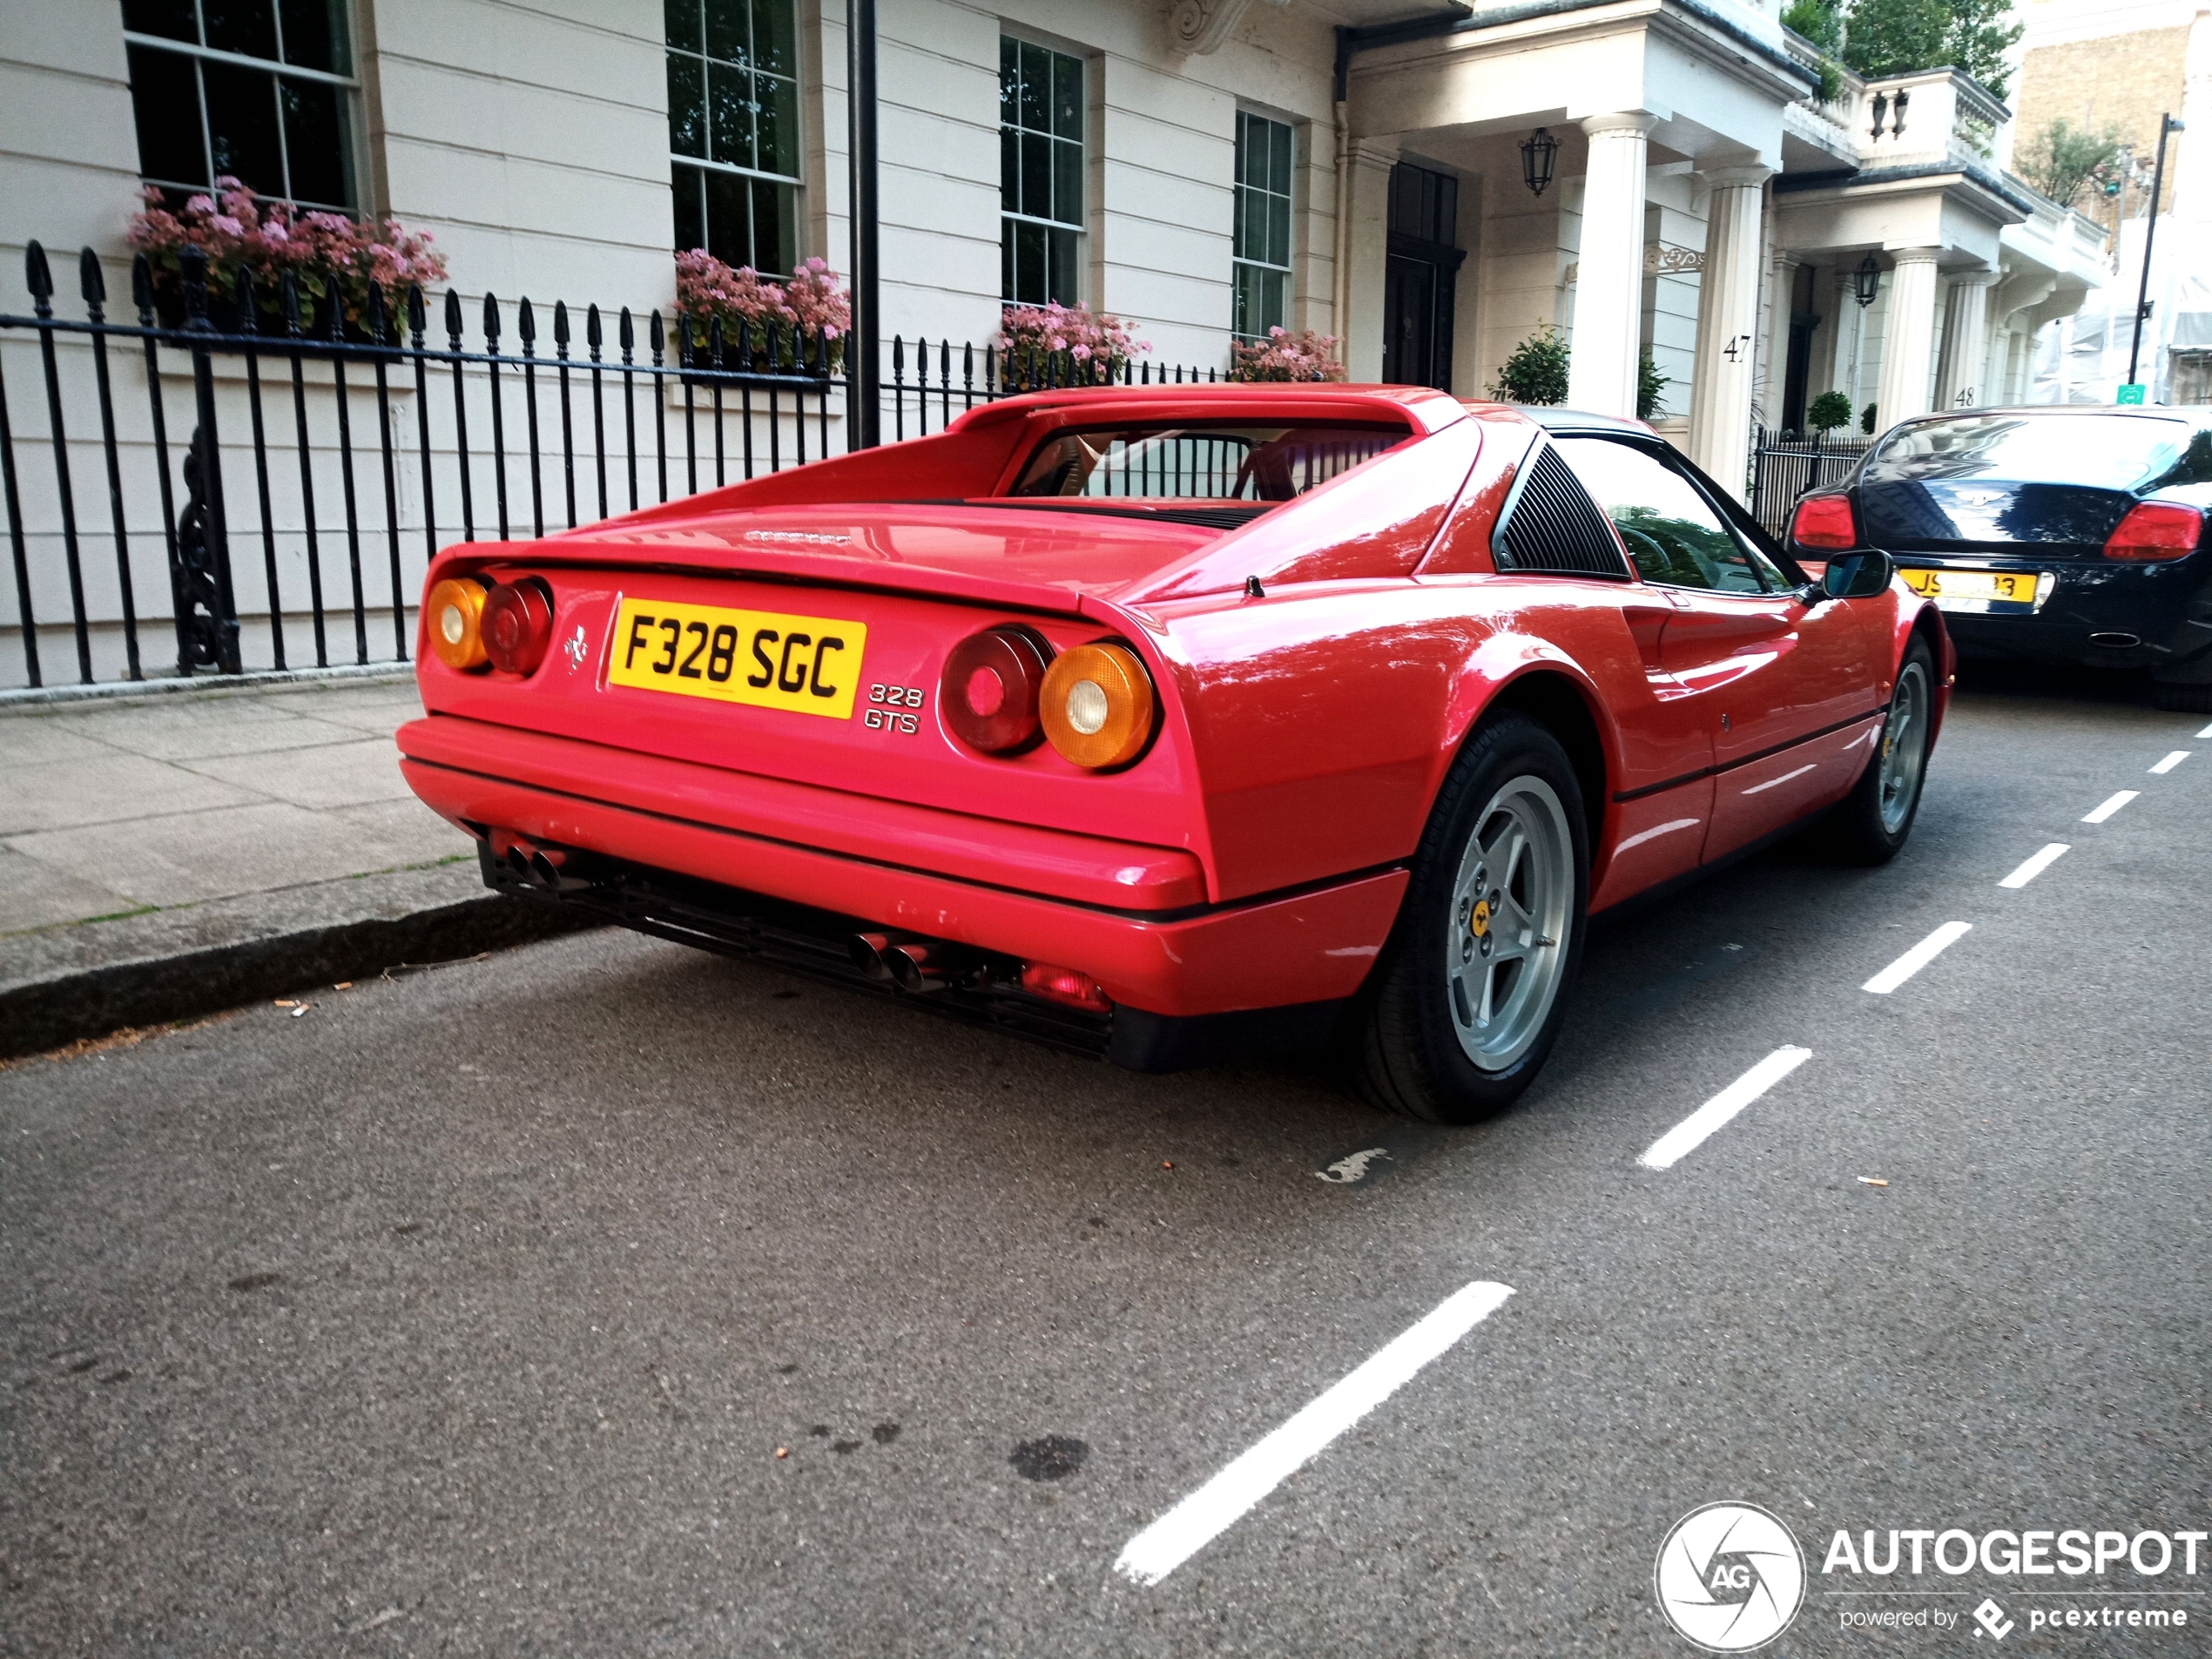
x=321 y=464
x=1785 y=466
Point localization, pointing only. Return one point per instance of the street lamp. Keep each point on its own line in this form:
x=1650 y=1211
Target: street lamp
x=1866 y=280
x=2167 y=123
x=1538 y=151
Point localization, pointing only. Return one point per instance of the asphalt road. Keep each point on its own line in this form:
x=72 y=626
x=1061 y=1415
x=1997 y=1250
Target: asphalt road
x=467 y=1313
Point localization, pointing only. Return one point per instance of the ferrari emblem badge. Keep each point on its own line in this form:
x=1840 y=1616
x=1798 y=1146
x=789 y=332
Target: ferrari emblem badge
x=574 y=645
x=1480 y=921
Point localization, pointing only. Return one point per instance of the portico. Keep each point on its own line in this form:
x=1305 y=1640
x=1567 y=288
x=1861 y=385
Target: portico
x=1703 y=212
x=1669 y=124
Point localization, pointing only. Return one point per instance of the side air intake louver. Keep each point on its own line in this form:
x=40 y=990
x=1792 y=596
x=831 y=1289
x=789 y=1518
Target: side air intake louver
x=1555 y=526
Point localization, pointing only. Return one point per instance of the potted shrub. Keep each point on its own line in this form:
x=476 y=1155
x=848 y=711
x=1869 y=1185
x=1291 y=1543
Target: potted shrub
x=1827 y=412
x=1286 y=356
x=331 y=259
x=1535 y=371
x=805 y=318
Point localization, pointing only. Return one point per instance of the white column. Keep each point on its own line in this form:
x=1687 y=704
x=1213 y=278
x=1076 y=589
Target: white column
x=1773 y=369
x=1908 y=349
x=1962 y=388
x=1728 y=317
x=1367 y=258
x=1850 y=329
x=1609 y=296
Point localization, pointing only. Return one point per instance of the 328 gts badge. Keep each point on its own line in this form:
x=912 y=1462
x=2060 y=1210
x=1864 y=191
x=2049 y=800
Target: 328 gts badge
x=887 y=709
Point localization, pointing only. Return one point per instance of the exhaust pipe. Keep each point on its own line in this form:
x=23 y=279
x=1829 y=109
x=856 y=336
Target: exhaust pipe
x=917 y=967
x=867 y=952
x=2116 y=641
x=549 y=866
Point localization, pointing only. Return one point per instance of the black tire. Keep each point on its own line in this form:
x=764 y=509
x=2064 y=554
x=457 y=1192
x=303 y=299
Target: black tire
x=2185 y=700
x=1871 y=825
x=1404 y=1052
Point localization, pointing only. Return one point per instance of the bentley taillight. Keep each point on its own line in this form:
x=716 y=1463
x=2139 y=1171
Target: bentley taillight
x=1097 y=706
x=990 y=688
x=2156 y=529
x=1824 y=521
x=517 y=626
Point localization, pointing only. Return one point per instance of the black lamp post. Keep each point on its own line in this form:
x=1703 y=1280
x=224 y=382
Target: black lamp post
x=864 y=374
x=2166 y=124
x=1866 y=280
x=1538 y=151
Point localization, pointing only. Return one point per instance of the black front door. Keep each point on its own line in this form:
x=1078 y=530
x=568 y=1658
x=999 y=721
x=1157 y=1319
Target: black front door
x=1423 y=264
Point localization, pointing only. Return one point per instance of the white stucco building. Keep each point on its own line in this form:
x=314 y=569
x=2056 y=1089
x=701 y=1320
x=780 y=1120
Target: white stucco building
x=1357 y=167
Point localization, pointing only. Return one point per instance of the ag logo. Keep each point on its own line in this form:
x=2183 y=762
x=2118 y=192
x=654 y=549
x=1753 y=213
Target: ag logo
x=1729 y=1577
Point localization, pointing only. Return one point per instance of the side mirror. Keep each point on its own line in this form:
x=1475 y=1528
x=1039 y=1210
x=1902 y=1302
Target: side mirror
x=1856 y=575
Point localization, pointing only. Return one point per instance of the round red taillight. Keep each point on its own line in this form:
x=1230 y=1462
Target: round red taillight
x=517 y=626
x=989 y=691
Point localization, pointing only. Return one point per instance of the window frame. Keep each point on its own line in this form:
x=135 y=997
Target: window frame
x=1760 y=549
x=794 y=182
x=1077 y=227
x=1239 y=262
x=351 y=156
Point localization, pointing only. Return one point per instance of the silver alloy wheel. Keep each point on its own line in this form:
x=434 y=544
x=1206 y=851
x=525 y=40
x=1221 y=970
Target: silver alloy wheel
x=1512 y=904
x=1905 y=746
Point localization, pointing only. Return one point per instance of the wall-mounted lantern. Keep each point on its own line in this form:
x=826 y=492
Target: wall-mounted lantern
x=1866 y=280
x=1538 y=151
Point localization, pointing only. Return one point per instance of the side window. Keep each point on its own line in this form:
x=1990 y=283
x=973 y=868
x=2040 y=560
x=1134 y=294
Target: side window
x=1672 y=532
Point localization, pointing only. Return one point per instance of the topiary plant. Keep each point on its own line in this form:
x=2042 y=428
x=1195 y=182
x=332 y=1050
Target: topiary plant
x=1866 y=420
x=1535 y=372
x=1650 y=384
x=1829 y=411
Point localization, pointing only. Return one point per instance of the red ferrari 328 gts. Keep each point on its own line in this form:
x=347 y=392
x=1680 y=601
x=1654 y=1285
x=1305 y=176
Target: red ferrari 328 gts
x=1177 y=723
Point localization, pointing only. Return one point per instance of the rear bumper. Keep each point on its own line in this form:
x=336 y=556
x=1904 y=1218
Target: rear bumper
x=1133 y=918
x=2102 y=614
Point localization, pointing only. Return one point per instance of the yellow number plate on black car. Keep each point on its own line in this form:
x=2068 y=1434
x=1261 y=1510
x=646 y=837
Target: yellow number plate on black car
x=2013 y=587
x=806 y=665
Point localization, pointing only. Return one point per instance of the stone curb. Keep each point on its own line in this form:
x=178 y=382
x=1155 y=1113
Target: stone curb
x=27 y=696
x=65 y=1002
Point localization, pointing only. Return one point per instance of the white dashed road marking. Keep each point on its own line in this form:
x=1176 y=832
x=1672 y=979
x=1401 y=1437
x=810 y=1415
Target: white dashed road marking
x=2207 y=733
x=2035 y=866
x=2112 y=806
x=1918 y=958
x=1684 y=1138
x=1219 y=1504
x=2171 y=761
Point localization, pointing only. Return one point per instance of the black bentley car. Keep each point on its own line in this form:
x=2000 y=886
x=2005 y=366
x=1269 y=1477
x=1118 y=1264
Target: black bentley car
x=2060 y=535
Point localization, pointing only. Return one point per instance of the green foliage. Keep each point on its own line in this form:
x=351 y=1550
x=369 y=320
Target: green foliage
x=1900 y=36
x=1866 y=418
x=1651 y=385
x=1982 y=32
x=1896 y=36
x=2061 y=160
x=1820 y=22
x=1537 y=370
x=1828 y=411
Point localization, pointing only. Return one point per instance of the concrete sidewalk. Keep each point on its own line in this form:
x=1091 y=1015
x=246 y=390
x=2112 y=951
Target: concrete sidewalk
x=164 y=855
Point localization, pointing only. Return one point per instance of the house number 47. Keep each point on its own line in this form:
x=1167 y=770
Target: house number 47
x=1736 y=346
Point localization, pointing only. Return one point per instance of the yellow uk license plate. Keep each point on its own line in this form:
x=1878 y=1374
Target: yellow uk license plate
x=2005 y=587
x=768 y=659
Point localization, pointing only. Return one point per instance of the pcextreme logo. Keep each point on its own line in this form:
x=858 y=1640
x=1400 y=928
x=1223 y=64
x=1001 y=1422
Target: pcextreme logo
x=1729 y=1577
